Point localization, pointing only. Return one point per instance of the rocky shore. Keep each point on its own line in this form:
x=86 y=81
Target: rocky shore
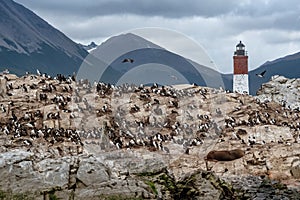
x=67 y=139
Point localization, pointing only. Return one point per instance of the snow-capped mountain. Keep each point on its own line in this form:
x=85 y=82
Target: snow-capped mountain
x=90 y=47
x=28 y=42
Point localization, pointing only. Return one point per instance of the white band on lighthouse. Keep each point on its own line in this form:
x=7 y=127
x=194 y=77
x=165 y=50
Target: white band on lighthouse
x=240 y=83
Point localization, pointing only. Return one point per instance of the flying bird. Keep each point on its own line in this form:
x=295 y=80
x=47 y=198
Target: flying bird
x=261 y=75
x=130 y=60
x=174 y=77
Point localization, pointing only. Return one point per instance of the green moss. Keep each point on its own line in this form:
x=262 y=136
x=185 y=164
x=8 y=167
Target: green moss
x=280 y=186
x=8 y=195
x=187 y=188
x=51 y=193
x=152 y=186
x=147 y=174
x=2 y=195
x=52 y=196
x=168 y=182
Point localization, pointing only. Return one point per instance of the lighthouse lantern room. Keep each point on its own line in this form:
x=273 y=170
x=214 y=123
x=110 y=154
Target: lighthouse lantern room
x=240 y=70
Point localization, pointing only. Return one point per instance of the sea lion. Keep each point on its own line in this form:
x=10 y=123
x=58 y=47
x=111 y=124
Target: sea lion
x=225 y=155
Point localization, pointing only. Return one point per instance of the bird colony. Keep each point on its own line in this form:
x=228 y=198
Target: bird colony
x=62 y=110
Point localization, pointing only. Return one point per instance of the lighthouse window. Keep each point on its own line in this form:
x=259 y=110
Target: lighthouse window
x=240 y=48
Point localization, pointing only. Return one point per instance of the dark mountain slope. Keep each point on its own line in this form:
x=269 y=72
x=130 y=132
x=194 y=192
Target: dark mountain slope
x=288 y=66
x=152 y=63
x=28 y=42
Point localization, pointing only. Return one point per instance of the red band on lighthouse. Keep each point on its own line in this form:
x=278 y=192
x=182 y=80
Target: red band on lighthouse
x=240 y=64
x=240 y=70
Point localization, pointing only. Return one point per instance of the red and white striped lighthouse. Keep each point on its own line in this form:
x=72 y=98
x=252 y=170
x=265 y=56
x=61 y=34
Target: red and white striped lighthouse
x=240 y=70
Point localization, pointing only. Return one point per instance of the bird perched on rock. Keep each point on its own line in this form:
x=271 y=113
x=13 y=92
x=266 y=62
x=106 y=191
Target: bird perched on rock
x=261 y=75
x=38 y=72
x=129 y=60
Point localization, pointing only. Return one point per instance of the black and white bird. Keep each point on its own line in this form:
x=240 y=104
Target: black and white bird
x=38 y=72
x=129 y=60
x=261 y=75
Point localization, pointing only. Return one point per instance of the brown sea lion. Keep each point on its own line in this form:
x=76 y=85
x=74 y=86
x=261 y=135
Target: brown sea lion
x=225 y=155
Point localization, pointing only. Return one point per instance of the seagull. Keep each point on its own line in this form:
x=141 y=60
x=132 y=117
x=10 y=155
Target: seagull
x=174 y=77
x=261 y=75
x=6 y=71
x=130 y=60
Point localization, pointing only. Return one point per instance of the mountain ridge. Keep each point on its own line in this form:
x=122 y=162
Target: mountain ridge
x=26 y=40
x=286 y=57
x=159 y=61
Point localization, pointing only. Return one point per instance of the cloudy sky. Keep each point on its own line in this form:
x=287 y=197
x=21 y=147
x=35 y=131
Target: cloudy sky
x=269 y=28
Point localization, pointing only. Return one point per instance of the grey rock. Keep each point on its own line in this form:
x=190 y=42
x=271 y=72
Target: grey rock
x=53 y=172
x=92 y=172
x=281 y=89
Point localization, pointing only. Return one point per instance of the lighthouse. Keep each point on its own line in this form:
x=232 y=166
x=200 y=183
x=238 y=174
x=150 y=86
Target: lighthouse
x=240 y=70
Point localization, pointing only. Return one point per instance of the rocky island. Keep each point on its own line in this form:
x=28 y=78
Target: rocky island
x=62 y=138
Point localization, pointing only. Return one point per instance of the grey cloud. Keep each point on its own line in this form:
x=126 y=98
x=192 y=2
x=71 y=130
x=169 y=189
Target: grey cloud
x=246 y=15
x=280 y=21
x=260 y=8
x=165 y=8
